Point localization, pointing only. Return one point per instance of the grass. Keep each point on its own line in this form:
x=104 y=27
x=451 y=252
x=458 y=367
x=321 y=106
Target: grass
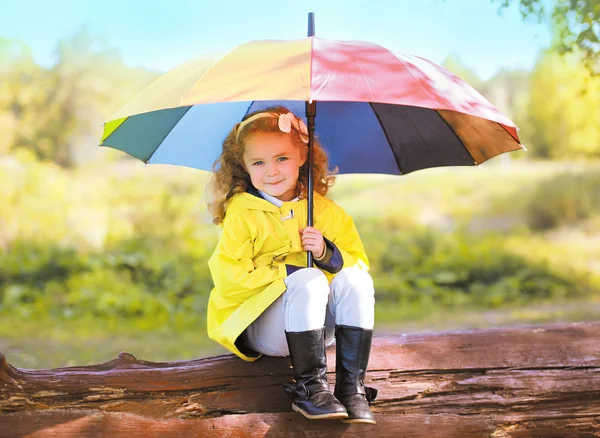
x=86 y=210
x=437 y=319
x=53 y=343
x=457 y=194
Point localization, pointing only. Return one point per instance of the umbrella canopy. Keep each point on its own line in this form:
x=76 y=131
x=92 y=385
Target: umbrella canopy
x=378 y=111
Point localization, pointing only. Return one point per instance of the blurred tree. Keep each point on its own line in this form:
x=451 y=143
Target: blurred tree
x=57 y=112
x=18 y=74
x=577 y=23
x=454 y=63
x=93 y=82
x=564 y=107
x=509 y=91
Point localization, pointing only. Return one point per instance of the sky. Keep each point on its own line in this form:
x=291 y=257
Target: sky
x=160 y=34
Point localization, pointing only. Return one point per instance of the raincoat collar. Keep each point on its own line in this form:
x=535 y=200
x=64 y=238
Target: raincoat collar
x=252 y=200
x=275 y=201
x=248 y=201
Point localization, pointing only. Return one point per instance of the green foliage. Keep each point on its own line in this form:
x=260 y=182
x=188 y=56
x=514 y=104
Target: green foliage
x=117 y=255
x=76 y=247
x=576 y=23
x=18 y=76
x=578 y=29
x=55 y=113
x=73 y=246
x=133 y=281
x=562 y=122
x=435 y=269
x=564 y=199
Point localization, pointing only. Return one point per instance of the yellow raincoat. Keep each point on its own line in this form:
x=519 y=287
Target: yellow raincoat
x=248 y=264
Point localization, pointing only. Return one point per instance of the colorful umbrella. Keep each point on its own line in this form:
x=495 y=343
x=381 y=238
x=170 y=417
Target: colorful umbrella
x=378 y=111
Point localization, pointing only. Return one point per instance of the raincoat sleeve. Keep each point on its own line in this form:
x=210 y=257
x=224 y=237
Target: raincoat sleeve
x=347 y=240
x=232 y=268
x=332 y=260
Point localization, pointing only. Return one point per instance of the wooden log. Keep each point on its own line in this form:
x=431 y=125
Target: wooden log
x=514 y=382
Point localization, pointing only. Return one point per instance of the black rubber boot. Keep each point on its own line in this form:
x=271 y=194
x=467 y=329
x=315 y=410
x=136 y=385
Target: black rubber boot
x=353 y=347
x=310 y=392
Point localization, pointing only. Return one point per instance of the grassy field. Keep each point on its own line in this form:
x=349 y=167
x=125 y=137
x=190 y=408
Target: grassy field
x=53 y=343
x=101 y=260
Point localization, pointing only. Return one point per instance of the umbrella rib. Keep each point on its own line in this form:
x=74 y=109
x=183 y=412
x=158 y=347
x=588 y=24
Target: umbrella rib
x=167 y=134
x=425 y=90
x=247 y=110
x=457 y=137
x=227 y=53
x=386 y=137
x=363 y=75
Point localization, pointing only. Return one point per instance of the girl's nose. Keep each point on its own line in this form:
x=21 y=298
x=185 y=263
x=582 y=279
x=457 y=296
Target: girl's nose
x=272 y=170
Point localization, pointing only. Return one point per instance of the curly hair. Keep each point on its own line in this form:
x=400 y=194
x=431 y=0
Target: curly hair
x=230 y=177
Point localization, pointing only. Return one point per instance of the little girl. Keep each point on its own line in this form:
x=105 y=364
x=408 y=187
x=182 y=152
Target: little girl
x=265 y=299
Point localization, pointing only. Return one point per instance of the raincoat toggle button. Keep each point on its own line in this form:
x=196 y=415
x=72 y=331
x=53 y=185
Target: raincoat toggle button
x=280 y=258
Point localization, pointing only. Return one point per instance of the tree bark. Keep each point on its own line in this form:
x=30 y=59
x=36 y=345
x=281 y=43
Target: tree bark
x=513 y=382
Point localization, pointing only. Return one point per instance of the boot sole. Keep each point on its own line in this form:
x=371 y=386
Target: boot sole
x=333 y=416
x=359 y=421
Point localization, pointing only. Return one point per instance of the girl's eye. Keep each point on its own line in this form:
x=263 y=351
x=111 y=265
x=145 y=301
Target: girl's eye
x=257 y=163
x=282 y=159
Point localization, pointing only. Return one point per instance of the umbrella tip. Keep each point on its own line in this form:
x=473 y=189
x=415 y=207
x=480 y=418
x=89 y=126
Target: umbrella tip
x=524 y=148
x=311 y=24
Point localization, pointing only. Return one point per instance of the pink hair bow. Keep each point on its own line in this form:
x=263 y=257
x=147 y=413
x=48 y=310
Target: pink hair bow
x=286 y=121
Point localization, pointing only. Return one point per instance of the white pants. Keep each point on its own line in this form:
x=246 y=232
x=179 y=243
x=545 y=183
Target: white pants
x=309 y=303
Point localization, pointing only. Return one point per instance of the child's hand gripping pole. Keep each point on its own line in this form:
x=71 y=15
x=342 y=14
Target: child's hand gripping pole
x=312 y=242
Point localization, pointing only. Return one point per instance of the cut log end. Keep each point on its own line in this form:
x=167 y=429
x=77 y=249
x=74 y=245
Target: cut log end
x=6 y=373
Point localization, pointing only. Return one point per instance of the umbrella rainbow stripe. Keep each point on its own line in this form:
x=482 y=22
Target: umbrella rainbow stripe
x=164 y=123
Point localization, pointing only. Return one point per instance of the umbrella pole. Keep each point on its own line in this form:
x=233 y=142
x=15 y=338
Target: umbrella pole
x=311 y=112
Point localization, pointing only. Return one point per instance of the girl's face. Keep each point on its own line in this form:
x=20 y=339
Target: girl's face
x=273 y=162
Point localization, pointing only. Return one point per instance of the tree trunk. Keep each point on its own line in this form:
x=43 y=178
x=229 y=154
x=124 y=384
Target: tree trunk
x=514 y=382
